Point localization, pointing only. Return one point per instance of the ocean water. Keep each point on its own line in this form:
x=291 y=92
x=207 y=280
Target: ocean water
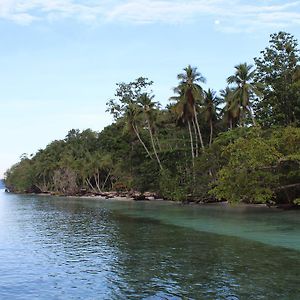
x=70 y=248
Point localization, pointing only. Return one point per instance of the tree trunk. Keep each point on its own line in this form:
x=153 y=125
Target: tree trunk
x=196 y=139
x=242 y=117
x=97 y=181
x=252 y=116
x=211 y=132
x=158 y=143
x=103 y=185
x=198 y=128
x=192 y=144
x=91 y=186
x=153 y=145
x=141 y=141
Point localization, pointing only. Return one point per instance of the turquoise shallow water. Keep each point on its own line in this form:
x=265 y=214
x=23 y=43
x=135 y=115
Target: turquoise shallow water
x=68 y=248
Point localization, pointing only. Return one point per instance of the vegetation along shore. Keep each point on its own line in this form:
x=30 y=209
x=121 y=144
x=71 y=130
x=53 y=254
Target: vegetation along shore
x=241 y=144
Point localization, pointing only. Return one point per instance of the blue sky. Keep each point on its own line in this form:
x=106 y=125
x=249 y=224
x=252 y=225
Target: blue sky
x=60 y=59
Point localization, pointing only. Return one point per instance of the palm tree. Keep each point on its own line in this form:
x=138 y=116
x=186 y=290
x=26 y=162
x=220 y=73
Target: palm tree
x=244 y=88
x=211 y=102
x=231 y=110
x=189 y=94
x=132 y=112
x=148 y=106
x=192 y=93
x=184 y=114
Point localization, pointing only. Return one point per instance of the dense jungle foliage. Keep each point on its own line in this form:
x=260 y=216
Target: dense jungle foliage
x=241 y=144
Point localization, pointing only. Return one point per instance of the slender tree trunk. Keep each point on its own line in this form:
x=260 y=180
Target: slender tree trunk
x=230 y=123
x=141 y=141
x=44 y=181
x=198 y=128
x=97 y=180
x=242 y=117
x=90 y=185
x=211 y=132
x=158 y=143
x=196 y=139
x=252 y=116
x=153 y=145
x=192 y=144
x=185 y=154
x=103 y=185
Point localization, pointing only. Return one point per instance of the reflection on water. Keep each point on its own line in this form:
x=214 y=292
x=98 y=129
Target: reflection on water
x=58 y=248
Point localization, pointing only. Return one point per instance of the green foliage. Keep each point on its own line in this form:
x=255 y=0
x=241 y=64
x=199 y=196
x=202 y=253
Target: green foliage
x=146 y=176
x=20 y=176
x=172 y=186
x=64 y=181
x=247 y=176
x=278 y=72
x=297 y=201
x=260 y=166
x=127 y=93
x=243 y=92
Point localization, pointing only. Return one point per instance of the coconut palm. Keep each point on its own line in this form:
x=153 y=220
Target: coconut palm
x=132 y=112
x=231 y=110
x=148 y=107
x=184 y=115
x=191 y=94
x=244 y=88
x=209 y=110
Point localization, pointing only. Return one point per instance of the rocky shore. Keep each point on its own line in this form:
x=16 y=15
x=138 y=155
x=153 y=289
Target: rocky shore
x=137 y=196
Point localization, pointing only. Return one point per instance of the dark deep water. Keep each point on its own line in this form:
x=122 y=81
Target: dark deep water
x=59 y=248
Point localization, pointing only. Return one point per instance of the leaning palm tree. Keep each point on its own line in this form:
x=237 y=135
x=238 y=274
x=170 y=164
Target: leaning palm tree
x=132 y=112
x=189 y=84
x=148 y=107
x=244 y=88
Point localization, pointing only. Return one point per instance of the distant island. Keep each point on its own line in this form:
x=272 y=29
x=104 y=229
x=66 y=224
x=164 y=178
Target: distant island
x=241 y=145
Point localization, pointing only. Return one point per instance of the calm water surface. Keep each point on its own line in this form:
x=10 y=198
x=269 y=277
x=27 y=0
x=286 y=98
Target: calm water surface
x=59 y=248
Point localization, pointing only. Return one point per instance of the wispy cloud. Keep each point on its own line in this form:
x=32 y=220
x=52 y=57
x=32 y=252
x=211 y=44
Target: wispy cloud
x=27 y=11
x=226 y=15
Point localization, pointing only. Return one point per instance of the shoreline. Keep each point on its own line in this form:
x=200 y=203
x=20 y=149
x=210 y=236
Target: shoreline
x=114 y=196
x=224 y=204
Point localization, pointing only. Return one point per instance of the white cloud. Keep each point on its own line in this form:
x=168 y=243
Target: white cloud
x=229 y=15
x=27 y=11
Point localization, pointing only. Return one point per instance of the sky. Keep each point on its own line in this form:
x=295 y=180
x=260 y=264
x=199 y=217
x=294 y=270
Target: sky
x=60 y=59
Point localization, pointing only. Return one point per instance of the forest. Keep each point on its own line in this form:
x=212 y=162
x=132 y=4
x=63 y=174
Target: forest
x=240 y=144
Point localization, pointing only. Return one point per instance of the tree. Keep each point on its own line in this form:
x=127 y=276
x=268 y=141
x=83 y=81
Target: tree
x=131 y=116
x=189 y=94
x=211 y=102
x=277 y=70
x=192 y=92
x=244 y=90
x=184 y=115
x=148 y=106
x=259 y=166
x=126 y=105
x=248 y=177
x=231 y=110
x=127 y=93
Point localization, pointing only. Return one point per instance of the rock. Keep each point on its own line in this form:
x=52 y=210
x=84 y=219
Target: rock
x=139 y=197
x=83 y=192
